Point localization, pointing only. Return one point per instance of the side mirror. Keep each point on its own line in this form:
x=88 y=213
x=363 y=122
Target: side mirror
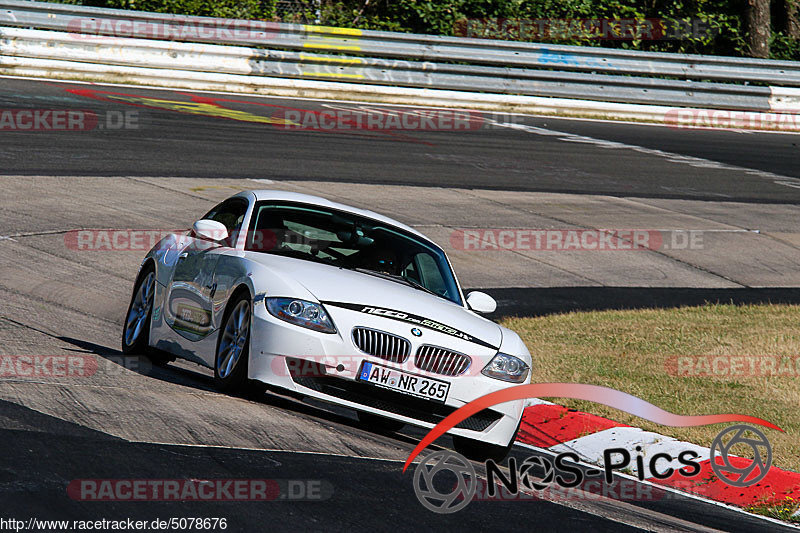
x=481 y=302
x=210 y=230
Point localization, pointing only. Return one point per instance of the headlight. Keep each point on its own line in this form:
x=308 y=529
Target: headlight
x=506 y=367
x=301 y=313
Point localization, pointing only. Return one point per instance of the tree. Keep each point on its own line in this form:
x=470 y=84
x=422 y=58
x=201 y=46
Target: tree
x=791 y=18
x=757 y=23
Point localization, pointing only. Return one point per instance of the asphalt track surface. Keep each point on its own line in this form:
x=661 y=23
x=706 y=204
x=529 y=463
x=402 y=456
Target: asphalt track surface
x=372 y=499
x=168 y=423
x=171 y=143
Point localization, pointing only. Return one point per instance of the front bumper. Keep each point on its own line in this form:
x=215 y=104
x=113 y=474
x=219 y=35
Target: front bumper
x=326 y=366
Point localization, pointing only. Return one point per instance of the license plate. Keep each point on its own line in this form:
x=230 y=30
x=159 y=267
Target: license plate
x=390 y=378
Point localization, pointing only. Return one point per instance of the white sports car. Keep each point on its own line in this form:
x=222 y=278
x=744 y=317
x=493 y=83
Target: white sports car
x=319 y=299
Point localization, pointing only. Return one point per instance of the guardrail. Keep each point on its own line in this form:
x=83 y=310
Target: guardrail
x=86 y=35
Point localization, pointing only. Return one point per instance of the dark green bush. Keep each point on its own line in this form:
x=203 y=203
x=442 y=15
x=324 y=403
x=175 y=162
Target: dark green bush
x=441 y=17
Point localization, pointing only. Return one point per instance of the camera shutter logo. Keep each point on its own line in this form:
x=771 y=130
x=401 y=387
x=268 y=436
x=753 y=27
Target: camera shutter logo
x=738 y=476
x=460 y=495
x=529 y=480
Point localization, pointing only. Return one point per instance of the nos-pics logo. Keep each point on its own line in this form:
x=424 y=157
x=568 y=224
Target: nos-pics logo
x=738 y=471
x=446 y=482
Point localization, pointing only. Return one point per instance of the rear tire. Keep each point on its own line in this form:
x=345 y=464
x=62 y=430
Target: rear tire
x=136 y=330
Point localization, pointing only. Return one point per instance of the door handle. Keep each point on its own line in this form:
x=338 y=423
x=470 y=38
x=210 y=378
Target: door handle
x=183 y=255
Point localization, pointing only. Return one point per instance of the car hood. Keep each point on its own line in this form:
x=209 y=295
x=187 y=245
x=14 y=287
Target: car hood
x=380 y=297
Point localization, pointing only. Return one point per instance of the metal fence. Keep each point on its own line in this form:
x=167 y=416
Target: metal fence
x=151 y=40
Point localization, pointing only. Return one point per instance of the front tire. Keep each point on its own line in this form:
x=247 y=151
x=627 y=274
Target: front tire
x=233 y=348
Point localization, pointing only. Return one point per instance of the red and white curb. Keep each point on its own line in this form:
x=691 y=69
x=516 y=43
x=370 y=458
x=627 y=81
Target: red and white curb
x=558 y=429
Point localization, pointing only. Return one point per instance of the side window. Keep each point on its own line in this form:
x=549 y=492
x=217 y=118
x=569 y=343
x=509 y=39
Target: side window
x=410 y=271
x=231 y=214
x=429 y=274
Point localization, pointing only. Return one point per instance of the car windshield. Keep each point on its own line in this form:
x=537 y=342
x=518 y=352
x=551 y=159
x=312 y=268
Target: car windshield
x=353 y=242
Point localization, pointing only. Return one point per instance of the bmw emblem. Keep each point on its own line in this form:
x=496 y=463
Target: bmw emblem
x=416 y=332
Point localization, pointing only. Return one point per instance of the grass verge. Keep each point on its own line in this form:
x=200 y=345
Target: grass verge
x=785 y=510
x=635 y=352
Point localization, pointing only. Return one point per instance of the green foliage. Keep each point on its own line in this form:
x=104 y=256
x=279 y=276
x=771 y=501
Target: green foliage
x=240 y=9
x=722 y=19
x=783 y=47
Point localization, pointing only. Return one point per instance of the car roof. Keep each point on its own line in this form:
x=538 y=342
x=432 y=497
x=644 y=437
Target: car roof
x=287 y=196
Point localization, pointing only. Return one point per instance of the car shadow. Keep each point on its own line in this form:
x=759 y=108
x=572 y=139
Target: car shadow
x=181 y=373
x=141 y=364
x=540 y=301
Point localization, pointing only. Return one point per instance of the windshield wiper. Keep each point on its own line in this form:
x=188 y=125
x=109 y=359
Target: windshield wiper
x=396 y=277
x=296 y=254
x=419 y=286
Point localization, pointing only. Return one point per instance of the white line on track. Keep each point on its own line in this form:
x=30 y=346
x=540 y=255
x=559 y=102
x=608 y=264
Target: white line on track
x=697 y=162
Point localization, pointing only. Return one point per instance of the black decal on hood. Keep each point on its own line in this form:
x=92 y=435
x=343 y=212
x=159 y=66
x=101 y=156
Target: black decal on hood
x=417 y=320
